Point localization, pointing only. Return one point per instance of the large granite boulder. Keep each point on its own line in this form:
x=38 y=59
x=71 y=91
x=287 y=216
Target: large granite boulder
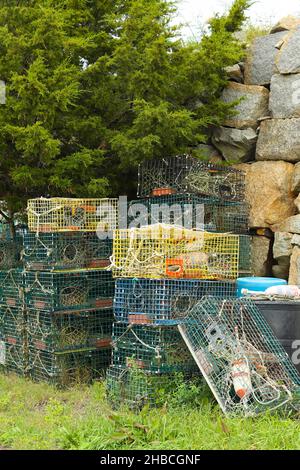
x=294 y=278
x=282 y=248
x=279 y=139
x=288 y=23
x=208 y=152
x=296 y=179
x=236 y=145
x=288 y=58
x=260 y=249
x=268 y=192
x=291 y=224
x=285 y=96
x=297 y=203
x=260 y=64
x=253 y=104
x=234 y=73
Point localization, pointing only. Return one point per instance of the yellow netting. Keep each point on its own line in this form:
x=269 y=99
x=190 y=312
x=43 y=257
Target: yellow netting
x=167 y=251
x=63 y=214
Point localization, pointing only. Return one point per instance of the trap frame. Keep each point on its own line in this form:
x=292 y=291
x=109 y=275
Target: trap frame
x=68 y=250
x=166 y=251
x=191 y=211
x=63 y=214
x=66 y=370
x=12 y=322
x=163 y=301
x=55 y=291
x=244 y=364
x=158 y=350
x=187 y=174
x=12 y=287
x=62 y=332
x=13 y=355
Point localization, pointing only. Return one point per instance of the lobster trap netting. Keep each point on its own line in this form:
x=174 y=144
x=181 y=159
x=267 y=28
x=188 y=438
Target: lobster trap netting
x=70 y=368
x=10 y=253
x=68 y=250
x=12 y=322
x=186 y=174
x=163 y=301
x=243 y=363
x=68 y=290
x=159 y=350
x=13 y=356
x=192 y=212
x=134 y=388
x=167 y=251
x=60 y=332
x=12 y=288
x=63 y=214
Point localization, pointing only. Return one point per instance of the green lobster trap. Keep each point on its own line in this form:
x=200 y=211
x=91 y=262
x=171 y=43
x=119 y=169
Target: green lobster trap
x=13 y=355
x=60 y=332
x=134 y=388
x=12 y=322
x=151 y=349
x=186 y=174
x=12 y=288
x=68 y=250
x=243 y=363
x=191 y=211
x=70 y=368
x=54 y=291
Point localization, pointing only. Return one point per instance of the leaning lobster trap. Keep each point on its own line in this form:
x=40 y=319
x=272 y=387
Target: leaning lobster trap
x=68 y=250
x=13 y=355
x=54 y=291
x=191 y=211
x=67 y=331
x=12 y=288
x=244 y=364
x=186 y=174
x=158 y=350
x=63 y=214
x=163 y=301
x=68 y=369
x=168 y=251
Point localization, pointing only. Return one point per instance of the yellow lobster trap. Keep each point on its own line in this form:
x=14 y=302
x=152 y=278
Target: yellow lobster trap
x=166 y=251
x=64 y=214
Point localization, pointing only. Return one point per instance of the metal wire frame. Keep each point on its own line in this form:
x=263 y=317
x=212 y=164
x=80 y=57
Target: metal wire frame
x=135 y=388
x=152 y=349
x=163 y=301
x=68 y=369
x=244 y=364
x=13 y=355
x=63 y=214
x=191 y=211
x=186 y=174
x=12 y=322
x=167 y=251
x=62 y=332
x=68 y=250
x=12 y=288
x=54 y=291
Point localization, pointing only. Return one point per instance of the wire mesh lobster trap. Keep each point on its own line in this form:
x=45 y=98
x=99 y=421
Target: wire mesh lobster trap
x=244 y=364
x=13 y=355
x=54 y=291
x=63 y=214
x=61 y=332
x=12 y=322
x=163 y=301
x=186 y=174
x=70 y=368
x=68 y=250
x=12 y=288
x=158 y=350
x=166 y=251
x=192 y=212
x=10 y=251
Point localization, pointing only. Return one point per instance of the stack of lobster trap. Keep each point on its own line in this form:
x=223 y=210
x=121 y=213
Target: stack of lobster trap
x=64 y=290
x=192 y=241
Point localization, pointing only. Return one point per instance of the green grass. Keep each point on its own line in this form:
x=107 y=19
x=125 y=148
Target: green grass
x=37 y=416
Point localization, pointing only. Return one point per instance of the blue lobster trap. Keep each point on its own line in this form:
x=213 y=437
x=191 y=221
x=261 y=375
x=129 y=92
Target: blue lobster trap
x=163 y=301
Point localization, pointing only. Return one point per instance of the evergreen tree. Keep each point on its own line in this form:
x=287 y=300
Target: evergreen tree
x=95 y=86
